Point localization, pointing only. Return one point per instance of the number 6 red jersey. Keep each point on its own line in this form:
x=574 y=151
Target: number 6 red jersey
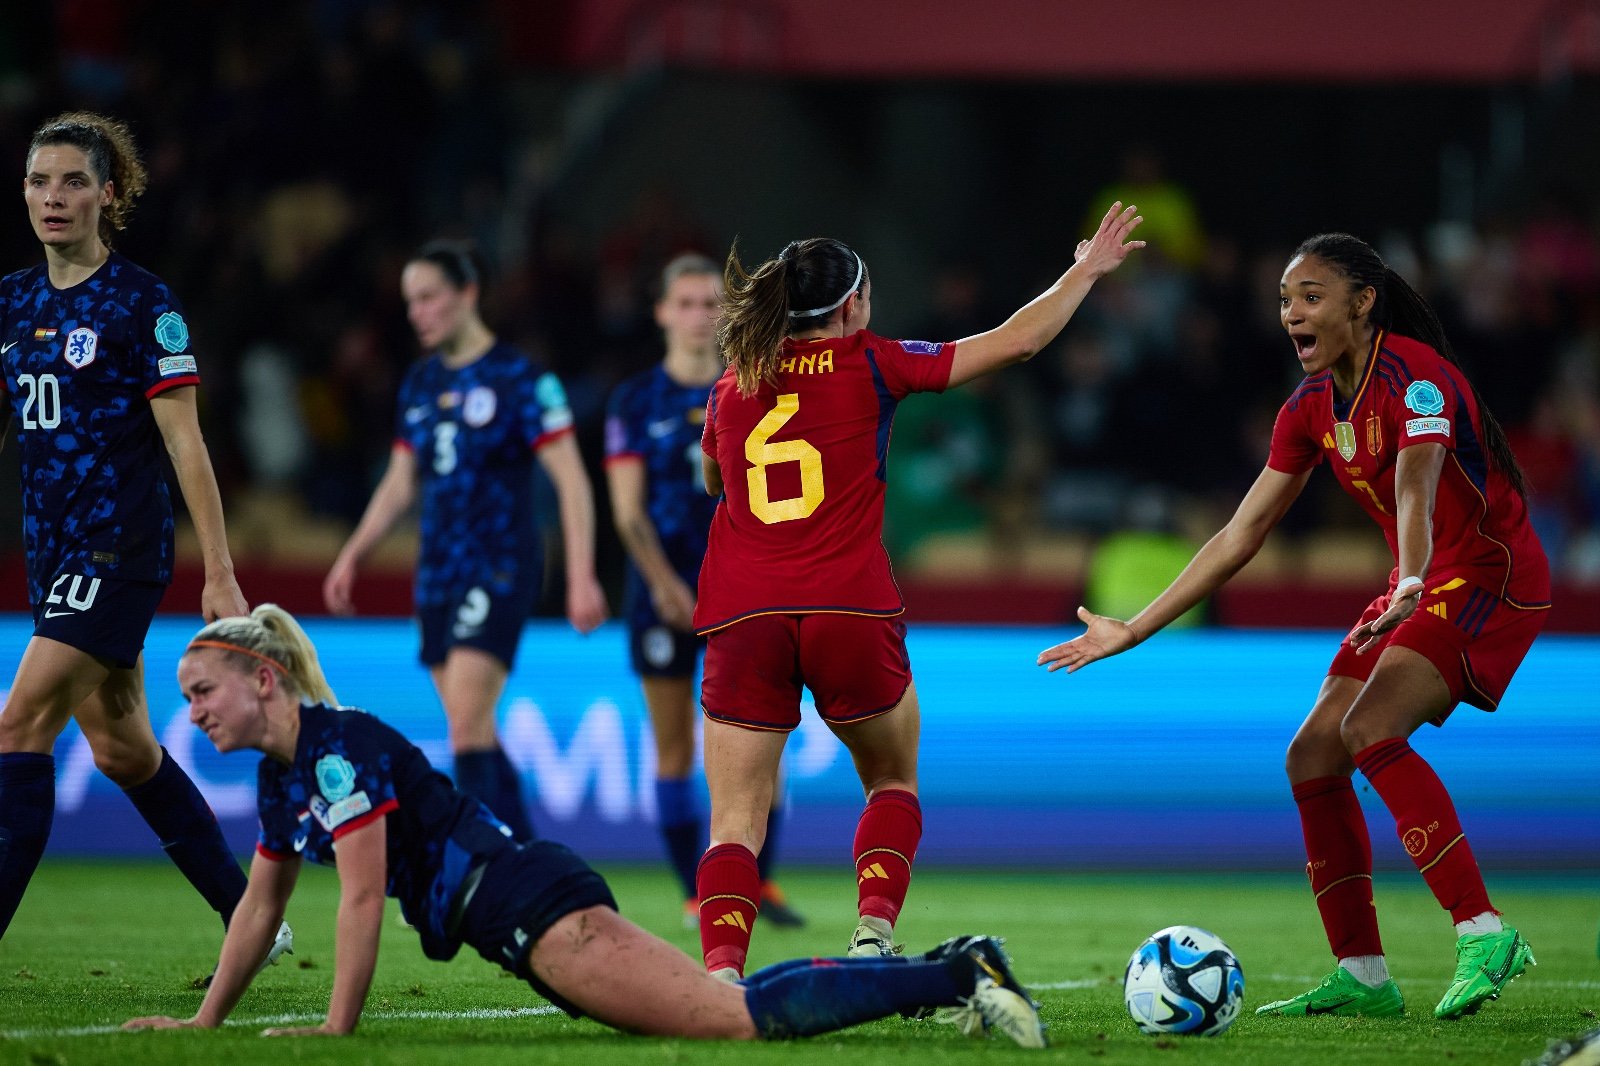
x=799 y=528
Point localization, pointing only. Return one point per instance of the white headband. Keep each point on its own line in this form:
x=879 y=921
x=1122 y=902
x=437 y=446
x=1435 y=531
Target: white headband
x=854 y=285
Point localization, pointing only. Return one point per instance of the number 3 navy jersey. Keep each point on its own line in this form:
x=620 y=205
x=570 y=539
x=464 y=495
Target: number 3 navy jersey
x=81 y=367
x=473 y=430
x=657 y=421
x=349 y=770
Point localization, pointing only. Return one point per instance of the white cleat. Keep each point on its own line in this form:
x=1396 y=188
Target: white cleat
x=1002 y=1009
x=873 y=939
x=282 y=944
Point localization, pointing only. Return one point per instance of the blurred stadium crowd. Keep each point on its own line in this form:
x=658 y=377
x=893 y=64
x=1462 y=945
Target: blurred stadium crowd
x=299 y=151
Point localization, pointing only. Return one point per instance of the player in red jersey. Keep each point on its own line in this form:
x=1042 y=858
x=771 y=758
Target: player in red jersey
x=1388 y=407
x=796 y=587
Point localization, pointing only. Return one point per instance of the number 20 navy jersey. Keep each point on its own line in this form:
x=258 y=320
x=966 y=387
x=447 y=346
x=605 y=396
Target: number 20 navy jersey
x=474 y=430
x=81 y=366
x=350 y=769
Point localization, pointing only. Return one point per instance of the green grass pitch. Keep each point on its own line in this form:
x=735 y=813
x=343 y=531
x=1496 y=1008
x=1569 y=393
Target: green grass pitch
x=95 y=944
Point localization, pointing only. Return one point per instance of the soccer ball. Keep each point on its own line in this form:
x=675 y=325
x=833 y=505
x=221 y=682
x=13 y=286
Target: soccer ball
x=1183 y=980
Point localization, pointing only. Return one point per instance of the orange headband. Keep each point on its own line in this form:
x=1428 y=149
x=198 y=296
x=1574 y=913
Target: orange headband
x=225 y=646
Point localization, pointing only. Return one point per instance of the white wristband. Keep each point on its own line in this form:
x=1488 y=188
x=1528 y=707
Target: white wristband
x=1406 y=583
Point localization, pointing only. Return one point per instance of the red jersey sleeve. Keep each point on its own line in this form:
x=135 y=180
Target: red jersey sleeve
x=913 y=366
x=1426 y=413
x=1294 y=450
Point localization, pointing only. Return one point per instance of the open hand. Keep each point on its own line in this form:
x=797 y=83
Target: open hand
x=1104 y=638
x=1105 y=251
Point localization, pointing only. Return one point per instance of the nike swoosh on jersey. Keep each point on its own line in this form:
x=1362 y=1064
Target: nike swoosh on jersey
x=56 y=614
x=4 y=348
x=662 y=428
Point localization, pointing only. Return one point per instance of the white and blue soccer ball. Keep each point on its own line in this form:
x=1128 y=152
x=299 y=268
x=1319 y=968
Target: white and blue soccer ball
x=1184 y=981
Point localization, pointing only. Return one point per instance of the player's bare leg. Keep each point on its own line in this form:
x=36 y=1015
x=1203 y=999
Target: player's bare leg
x=470 y=682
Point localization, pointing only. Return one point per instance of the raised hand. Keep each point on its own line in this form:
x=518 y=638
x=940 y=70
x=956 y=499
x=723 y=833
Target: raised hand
x=1105 y=251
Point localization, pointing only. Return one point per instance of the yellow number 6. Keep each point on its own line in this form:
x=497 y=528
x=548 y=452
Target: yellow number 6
x=761 y=455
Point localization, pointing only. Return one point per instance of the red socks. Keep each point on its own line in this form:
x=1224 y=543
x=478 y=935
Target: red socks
x=1339 y=854
x=729 y=888
x=885 y=847
x=1428 y=827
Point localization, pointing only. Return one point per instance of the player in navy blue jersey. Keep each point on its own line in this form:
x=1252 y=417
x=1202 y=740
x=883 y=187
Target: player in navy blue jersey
x=100 y=379
x=339 y=782
x=663 y=516
x=472 y=416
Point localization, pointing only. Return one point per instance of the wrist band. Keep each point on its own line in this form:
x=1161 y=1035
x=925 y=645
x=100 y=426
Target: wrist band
x=1405 y=583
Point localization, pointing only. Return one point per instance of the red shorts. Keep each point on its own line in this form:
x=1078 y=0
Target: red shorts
x=855 y=666
x=1471 y=636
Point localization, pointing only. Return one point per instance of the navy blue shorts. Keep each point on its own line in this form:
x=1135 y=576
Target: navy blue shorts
x=102 y=616
x=524 y=891
x=477 y=618
x=660 y=651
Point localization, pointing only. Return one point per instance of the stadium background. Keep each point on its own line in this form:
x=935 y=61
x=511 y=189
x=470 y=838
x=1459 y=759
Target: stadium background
x=299 y=151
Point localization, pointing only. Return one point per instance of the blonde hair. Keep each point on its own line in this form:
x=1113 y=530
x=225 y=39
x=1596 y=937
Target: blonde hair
x=271 y=635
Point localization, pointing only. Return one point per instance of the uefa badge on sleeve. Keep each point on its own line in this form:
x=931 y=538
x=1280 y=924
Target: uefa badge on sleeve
x=172 y=332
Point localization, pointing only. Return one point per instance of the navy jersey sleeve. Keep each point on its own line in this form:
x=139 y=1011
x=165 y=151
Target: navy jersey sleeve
x=624 y=427
x=281 y=836
x=354 y=787
x=542 y=406
x=161 y=343
x=410 y=429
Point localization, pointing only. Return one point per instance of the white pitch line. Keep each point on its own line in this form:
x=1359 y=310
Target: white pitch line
x=1074 y=984
x=301 y=1019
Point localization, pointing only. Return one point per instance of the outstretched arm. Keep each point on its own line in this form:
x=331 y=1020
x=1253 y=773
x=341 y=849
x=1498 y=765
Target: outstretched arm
x=1222 y=557
x=363 y=869
x=1036 y=325
x=586 y=603
x=392 y=498
x=179 y=422
x=250 y=933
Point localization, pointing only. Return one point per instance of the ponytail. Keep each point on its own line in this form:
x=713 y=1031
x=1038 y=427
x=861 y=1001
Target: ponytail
x=113 y=157
x=271 y=635
x=1410 y=315
x=797 y=291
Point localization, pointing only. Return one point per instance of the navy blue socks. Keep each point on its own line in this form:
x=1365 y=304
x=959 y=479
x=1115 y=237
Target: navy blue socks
x=489 y=777
x=172 y=806
x=804 y=997
x=27 y=807
x=682 y=829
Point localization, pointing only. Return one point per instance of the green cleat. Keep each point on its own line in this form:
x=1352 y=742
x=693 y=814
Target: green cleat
x=1485 y=964
x=1341 y=994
